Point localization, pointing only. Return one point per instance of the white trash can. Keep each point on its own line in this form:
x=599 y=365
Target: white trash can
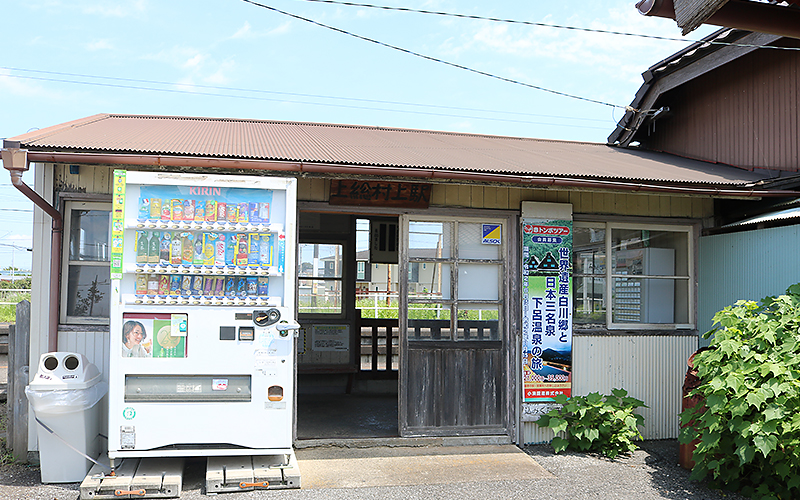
x=64 y=396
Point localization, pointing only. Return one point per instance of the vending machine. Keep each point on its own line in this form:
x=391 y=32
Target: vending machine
x=203 y=315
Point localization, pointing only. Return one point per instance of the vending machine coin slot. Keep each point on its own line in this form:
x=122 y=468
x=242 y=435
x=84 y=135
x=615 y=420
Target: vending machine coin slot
x=266 y=318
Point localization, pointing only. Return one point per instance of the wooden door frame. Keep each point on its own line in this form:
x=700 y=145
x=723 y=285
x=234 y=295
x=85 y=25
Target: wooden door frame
x=511 y=323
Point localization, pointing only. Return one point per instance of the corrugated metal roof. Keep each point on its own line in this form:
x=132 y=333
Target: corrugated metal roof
x=372 y=146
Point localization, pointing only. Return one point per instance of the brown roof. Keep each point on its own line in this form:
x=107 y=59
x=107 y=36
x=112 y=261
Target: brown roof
x=372 y=146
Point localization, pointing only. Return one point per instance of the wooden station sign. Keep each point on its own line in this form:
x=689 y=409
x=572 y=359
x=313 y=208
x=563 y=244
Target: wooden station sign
x=380 y=194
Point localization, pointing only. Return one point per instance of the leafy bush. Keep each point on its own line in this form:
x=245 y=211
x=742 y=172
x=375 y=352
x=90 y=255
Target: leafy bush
x=605 y=424
x=749 y=424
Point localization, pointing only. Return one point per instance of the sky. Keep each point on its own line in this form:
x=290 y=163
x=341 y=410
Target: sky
x=68 y=59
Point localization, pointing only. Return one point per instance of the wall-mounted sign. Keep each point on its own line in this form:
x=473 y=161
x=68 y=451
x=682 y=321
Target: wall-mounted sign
x=546 y=308
x=380 y=194
x=330 y=338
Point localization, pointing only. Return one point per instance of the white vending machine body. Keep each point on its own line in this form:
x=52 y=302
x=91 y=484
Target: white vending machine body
x=203 y=315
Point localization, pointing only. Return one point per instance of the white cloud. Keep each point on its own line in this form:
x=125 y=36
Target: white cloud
x=99 y=45
x=123 y=9
x=246 y=32
x=194 y=62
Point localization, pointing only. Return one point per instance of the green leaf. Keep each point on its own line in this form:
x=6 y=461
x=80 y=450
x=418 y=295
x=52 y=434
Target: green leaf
x=559 y=444
x=745 y=454
x=756 y=399
x=558 y=425
x=765 y=443
x=620 y=393
x=773 y=412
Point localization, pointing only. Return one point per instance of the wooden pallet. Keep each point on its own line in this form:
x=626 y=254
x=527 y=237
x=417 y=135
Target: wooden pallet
x=229 y=474
x=135 y=478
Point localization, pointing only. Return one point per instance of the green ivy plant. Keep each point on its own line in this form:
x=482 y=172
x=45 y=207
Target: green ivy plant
x=748 y=425
x=604 y=424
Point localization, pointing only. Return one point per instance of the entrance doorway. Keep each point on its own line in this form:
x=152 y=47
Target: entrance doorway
x=348 y=305
x=405 y=326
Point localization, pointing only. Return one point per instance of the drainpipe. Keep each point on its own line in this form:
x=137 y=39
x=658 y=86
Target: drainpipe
x=745 y=15
x=15 y=160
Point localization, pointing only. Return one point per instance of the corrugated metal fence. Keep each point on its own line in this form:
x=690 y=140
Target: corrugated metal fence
x=747 y=265
x=649 y=367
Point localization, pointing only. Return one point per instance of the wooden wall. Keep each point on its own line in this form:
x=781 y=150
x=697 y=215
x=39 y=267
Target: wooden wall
x=510 y=198
x=743 y=113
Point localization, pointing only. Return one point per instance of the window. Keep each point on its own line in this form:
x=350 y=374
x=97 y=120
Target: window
x=455 y=282
x=86 y=282
x=632 y=275
x=320 y=278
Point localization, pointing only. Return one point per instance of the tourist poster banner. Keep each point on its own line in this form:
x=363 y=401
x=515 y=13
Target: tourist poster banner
x=546 y=309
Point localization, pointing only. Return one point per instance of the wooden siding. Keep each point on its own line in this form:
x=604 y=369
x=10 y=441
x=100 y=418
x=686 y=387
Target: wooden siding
x=97 y=180
x=510 y=198
x=89 y=179
x=744 y=113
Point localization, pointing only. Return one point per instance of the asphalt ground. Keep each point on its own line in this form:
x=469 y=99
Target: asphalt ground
x=651 y=472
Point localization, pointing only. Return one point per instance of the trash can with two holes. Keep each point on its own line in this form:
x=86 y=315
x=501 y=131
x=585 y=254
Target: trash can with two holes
x=64 y=396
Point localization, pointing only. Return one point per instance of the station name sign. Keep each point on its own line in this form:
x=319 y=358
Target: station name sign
x=380 y=194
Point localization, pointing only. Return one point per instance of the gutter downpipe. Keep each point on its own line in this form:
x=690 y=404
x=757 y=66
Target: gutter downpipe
x=750 y=16
x=15 y=160
x=425 y=173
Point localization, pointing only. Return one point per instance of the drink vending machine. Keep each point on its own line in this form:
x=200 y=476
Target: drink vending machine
x=203 y=315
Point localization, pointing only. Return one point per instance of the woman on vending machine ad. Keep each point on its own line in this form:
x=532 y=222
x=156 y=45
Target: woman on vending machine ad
x=133 y=334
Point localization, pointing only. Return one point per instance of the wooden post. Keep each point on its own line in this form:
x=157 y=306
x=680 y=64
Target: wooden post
x=18 y=352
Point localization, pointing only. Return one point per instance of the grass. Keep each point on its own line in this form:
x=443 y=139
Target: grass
x=8 y=312
x=5 y=453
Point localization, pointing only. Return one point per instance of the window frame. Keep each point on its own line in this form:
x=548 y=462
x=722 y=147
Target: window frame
x=66 y=264
x=455 y=304
x=609 y=275
x=342 y=279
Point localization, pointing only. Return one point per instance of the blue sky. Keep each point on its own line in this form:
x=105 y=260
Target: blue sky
x=68 y=59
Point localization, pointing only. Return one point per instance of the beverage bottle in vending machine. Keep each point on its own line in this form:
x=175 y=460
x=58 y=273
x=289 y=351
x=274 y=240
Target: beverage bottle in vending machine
x=219 y=250
x=175 y=249
x=166 y=209
x=211 y=211
x=142 y=247
x=188 y=210
x=141 y=284
x=209 y=248
x=163 y=251
x=254 y=249
x=153 y=252
x=222 y=214
x=233 y=213
x=152 y=284
x=198 y=250
x=241 y=250
x=177 y=209
x=144 y=209
x=230 y=250
x=200 y=211
x=155 y=208
x=187 y=246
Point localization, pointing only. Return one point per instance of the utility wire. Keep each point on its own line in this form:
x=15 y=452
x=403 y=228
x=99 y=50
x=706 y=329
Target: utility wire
x=176 y=91
x=544 y=25
x=293 y=94
x=434 y=59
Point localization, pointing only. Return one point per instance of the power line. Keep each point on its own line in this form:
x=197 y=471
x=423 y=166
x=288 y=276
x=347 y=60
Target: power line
x=293 y=94
x=434 y=59
x=178 y=91
x=544 y=25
